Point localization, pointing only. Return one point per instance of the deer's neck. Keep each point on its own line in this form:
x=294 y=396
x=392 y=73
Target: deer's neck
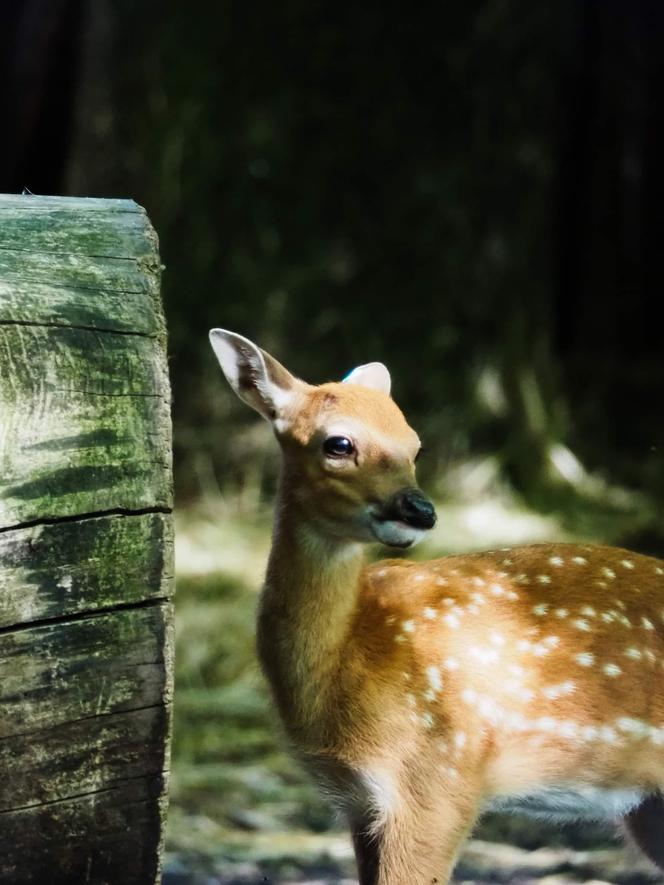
x=307 y=608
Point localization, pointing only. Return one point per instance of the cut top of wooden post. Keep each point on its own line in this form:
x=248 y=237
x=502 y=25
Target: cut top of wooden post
x=84 y=393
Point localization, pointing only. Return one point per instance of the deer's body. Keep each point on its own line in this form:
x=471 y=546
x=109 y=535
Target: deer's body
x=419 y=694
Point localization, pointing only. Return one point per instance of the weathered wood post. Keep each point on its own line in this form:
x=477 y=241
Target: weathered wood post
x=86 y=565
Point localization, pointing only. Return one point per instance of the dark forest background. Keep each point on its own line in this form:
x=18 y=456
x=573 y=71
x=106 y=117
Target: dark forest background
x=471 y=193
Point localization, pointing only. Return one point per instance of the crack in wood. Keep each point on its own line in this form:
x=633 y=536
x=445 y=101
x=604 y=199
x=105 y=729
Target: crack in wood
x=80 y=517
x=117 y=785
x=75 y=326
x=136 y=259
x=37 y=732
x=85 y=615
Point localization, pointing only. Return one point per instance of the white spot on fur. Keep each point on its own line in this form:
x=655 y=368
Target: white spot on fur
x=427 y=720
x=408 y=626
x=543 y=579
x=608 y=734
x=478 y=582
x=497 y=638
x=647 y=624
x=608 y=573
x=484 y=655
x=585 y=659
x=633 y=653
x=430 y=613
x=497 y=590
x=561 y=613
x=612 y=670
x=588 y=611
x=451 y=663
x=556 y=560
x=541 y=608
x=469 y=695
x=633 y=726
x=581 y=624
x=627 y=563
x=580 y=560
x=557 y=691
x=460 y=740
x=434 y=678
x=451 y=621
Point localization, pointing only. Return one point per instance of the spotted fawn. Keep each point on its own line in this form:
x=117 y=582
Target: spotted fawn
x=419 y=694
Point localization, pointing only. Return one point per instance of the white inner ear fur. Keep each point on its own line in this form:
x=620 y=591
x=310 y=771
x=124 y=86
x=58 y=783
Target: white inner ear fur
x=374 y=375
x=244 y=366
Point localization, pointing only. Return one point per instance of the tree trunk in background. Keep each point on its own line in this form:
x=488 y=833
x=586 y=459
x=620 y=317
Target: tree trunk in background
x=609 y=274
x=40 y=44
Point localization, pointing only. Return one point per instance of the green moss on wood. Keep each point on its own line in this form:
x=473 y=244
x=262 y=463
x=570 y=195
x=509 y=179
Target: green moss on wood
x=86 y=423
x=56 y=570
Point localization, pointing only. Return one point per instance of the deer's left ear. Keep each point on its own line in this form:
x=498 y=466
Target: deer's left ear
x=374 y=375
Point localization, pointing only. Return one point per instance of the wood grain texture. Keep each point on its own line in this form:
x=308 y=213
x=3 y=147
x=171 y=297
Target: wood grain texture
x=86 y=565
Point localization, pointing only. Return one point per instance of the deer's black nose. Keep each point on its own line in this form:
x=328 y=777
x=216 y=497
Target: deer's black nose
x=410 y=506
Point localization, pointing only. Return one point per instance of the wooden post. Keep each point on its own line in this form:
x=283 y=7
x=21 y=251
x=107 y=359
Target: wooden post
x=86 y=567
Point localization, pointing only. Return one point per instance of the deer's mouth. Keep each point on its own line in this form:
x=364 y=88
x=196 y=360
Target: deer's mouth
x=395 y=532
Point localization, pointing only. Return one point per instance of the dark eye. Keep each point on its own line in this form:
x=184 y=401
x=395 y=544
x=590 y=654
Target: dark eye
x=338 y=446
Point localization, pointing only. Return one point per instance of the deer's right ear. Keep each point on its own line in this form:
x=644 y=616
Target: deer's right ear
x=254 y=375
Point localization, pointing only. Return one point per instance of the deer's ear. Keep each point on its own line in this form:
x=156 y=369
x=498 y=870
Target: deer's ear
x=254 y=375
x=374 y=375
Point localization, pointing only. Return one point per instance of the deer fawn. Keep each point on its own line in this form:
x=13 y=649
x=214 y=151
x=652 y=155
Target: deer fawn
x=420 y=693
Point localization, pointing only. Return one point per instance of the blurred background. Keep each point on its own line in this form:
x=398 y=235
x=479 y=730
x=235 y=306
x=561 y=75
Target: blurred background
x=468 y=192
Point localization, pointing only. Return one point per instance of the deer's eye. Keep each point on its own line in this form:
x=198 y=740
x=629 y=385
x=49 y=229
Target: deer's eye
x=338 y=446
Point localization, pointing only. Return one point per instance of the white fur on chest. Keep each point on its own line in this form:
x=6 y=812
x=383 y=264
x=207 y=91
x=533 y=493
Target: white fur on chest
x=565 y=802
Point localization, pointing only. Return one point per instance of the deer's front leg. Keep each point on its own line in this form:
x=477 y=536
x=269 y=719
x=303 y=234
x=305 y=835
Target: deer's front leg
x=645 y=823
x=416 y=845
